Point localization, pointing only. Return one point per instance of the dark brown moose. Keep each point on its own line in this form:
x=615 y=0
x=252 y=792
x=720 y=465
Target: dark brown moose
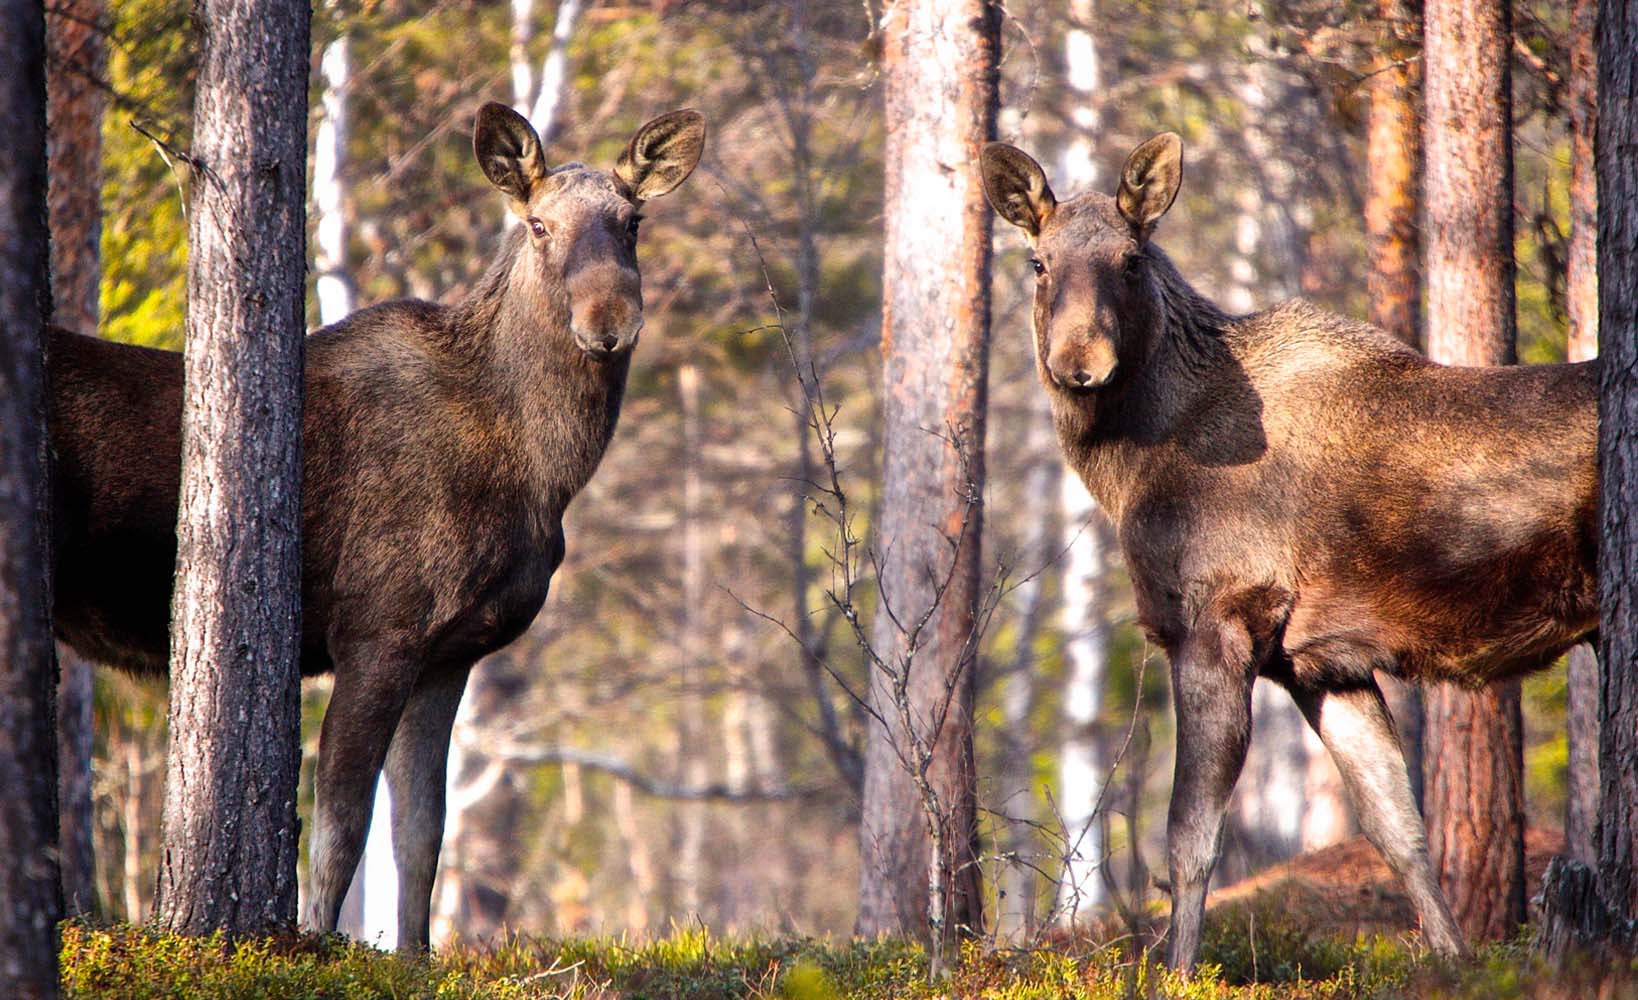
x=442 y=445
x=1299 y=495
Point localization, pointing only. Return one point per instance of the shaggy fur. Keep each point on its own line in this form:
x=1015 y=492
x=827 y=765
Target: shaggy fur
x=1301 y=496
x=442 y=445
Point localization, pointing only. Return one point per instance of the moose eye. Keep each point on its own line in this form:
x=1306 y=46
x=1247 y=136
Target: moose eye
x=537 y=227
x=1039 y=267
x=632 y=224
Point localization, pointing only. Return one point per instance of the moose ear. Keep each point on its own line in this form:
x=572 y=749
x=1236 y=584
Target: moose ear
x=662 y=154
x=508 y=150
x=1149 y=181
x=1016 y=187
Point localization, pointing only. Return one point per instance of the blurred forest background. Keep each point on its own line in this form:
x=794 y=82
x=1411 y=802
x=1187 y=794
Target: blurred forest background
x=655 y=752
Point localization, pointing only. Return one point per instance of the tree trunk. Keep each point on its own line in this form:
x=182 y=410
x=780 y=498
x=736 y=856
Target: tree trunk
x=1081 y=774
x=691 y=708
x=1393 y=245
x=474 y=904
x=230 y=790
x=29 y=884
x=1617 y=139
x=1474 y=741
x=1287 y=772
x=77 y=61
x=1581 y=300
x=939 y=61
x=1394 y=155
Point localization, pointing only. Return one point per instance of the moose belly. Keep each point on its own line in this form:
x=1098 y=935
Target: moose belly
x=1430 y=617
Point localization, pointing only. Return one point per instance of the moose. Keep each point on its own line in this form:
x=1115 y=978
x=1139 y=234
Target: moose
x=1300 y=496
x=442 y=445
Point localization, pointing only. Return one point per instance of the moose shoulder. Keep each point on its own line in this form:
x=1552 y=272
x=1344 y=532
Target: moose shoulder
x=1301 y=496
x=442 y=445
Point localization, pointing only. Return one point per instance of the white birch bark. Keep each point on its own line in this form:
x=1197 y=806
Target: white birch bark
x=467 y=779
x=1086 y=630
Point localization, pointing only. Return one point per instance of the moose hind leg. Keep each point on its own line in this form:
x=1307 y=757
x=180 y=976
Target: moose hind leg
x=416 y=766
x=364 y=709
x=1356 y=728
x=1211 y=695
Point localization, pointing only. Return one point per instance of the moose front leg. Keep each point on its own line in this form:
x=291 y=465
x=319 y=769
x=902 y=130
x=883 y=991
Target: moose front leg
x=1356 y=728
x=1211 y=694
x=416 y=766
x=365 y=704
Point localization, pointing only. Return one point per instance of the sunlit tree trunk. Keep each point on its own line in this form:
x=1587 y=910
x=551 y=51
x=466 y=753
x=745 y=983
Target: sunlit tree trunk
x=1473 y=760
x=1289 y=797
x=691 y=816
x=29 y=882
x=463 y=903
x=230 y=801
x=939 y=63
x=1084 y=540
x=1581 y=301
x=77 y=61
x=1393 y=244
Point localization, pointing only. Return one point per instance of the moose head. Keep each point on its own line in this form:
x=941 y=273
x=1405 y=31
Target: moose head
x=581 y=223
x=1097 y=303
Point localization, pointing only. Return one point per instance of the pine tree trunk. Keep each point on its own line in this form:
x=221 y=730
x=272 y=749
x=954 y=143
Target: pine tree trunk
x=1617 y=141
x=1581 y=300
x=29 y=886
x=939 y=61
x=77 y=61
x=1394 y=247
x=1474 y=741
x=230 y=796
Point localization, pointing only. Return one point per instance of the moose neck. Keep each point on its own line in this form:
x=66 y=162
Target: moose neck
x=556 y=406
x=1109 y=436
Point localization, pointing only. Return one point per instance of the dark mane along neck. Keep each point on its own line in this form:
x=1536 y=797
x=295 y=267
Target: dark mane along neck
x=512 y=332
x=1183 y=354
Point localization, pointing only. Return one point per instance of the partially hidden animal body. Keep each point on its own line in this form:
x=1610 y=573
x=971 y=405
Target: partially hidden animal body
x=442 y=445
x=1300 y=496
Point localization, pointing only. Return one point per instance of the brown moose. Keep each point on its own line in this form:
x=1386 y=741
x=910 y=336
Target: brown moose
x=442 y=445
x=1301 y=496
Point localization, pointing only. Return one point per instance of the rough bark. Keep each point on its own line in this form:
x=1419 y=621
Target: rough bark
x=1474 y=741
x=230 y=799
x=1394 y=155
x=76 y=99
x=939 y=62
x=30 y=900
x=1617 y=160
x=1581 y=301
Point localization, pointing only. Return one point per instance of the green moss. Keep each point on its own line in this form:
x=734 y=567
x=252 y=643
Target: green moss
x=132 y=963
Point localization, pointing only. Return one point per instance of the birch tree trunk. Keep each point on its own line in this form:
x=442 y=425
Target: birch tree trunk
x=919 y=873
x=1393 y=245
x=29 y=885
x=76 y=67
x=1085 y=627
x=474 y=904
x=1474 y=763
x=691 y=816
x=230 y=798
x=1581 y=300
x=1289 y=796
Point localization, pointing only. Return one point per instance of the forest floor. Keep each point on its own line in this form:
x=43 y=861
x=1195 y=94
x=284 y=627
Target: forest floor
x=1331 y=925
